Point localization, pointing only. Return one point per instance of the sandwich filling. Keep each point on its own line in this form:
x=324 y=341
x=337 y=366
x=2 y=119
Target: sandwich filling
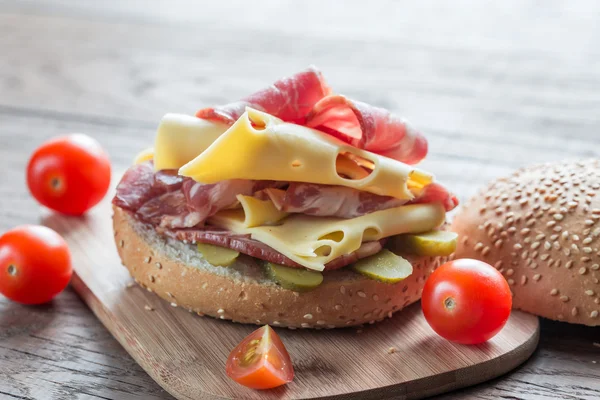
x=292 y=175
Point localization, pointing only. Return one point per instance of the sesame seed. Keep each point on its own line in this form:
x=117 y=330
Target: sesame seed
x=308 y=316
x=554 y=292
x=478 y=246
x=498 y=243
x=567 y=252
x=147 y=260
x=511 y=281
x=569 y=264
x=321 y=322
x=557 y=228
x=564 y=299
x=122 y=243
x=220 y=311
x=355 y=309
x=525 y=231
x=152 y=278
x=582 y=270
x=537 y=277
x=535 y=245
x=170 y=294
x=574 y=311
x=558 y=217
x=531 y=222
x=594 y=314
x=587 y=250
x=510 y=272
x=586 y=231
x=305 y=325
x=587 y=240
x=589 y=222
x=498 y=264
x=544 y=257
x=523 y=280
x=158 y=265
x=595 y=267
x=485 y=251
x=319 y=309
x=517 y=246
x=342 y=289
x=589 y=292
x=541 y=236
x=527 y=240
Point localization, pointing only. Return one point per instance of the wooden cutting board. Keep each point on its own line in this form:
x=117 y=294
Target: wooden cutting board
x=186 y=353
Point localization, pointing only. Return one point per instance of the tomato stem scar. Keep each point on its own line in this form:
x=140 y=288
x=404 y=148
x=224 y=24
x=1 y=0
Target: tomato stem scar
x=12 y=269
x=449 y=303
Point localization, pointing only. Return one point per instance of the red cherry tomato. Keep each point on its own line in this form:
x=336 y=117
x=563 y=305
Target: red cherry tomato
x=69 y=174
x=260 y=361
x=466 y=301
x=35 y=264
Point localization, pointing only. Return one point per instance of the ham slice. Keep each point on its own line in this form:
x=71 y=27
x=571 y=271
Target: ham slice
x=289 y=98
x=435 y=192
x=168 y=200
x=368 y=127
x=246 y=245
x=344 y=202
x=328 y=201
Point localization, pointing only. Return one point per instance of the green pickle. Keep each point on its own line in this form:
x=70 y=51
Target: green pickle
x=219 y=256
x=432 y=243
x=384 y=266
x=296 y=279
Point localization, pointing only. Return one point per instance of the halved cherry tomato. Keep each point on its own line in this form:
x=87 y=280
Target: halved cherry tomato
x=260 y=361
x=69 y=174
x=466 y=301
x=35 y=264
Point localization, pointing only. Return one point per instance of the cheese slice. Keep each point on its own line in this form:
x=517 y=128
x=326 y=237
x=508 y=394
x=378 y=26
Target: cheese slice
x=259 y=212
x=144 y=155
x=314 y=241
x=262 y=147
x=180 y=138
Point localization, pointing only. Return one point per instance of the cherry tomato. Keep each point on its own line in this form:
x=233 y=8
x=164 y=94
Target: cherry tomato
x=466 y=301
x=69 y=174
x=260 y=361
x=35 y=264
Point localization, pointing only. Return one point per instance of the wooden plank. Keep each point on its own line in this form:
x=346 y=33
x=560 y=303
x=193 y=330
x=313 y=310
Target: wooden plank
x=186 y=353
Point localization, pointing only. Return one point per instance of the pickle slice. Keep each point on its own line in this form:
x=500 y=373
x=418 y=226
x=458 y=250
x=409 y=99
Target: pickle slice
x=218 y=256
x=296 y=279
x=432 y=243
x=384 y=266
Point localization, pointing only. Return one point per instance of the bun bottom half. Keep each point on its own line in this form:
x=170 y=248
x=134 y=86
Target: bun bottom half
x=242 y=293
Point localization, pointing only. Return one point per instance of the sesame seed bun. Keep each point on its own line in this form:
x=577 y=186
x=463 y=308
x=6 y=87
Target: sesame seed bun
x=241 y=292
x=540 y=227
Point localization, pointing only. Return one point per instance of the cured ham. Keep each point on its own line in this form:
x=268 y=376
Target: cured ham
x=168 y=200
x=436 y=192
x=328 y=201
x=368 y=127
x=246 y=245
x=344 y=202
x=290 y=99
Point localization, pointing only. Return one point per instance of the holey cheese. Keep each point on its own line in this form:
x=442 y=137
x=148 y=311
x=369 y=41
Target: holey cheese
x=314 y=241
x=262 y=147
x=181 y=138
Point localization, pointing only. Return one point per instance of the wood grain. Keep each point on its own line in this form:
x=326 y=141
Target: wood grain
x=493 y=85
x=185 y=353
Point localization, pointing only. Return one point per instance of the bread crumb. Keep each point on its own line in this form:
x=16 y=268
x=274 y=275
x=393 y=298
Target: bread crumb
x=391 y=350
x=148 y=308
x=130 y=285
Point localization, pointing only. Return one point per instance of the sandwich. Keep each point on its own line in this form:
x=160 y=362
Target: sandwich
x=295 y=207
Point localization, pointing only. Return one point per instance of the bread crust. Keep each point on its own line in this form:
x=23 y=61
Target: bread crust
x=540 y=227
x=344 y=299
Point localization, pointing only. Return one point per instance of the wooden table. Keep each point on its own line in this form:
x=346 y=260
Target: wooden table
x=494 y=85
